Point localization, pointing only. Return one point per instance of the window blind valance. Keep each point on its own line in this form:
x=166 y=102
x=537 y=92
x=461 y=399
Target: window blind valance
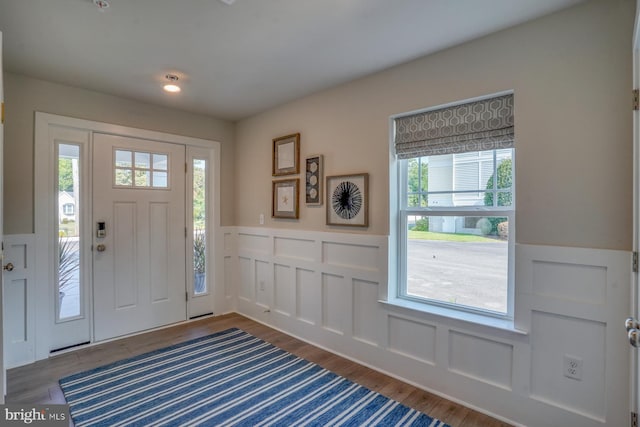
x=475 y=126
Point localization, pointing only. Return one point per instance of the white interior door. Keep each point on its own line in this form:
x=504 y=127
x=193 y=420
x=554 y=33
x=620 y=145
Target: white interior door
x=139 y=257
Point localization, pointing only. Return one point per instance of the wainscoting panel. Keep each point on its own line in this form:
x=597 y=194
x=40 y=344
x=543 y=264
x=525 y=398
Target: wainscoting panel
x=228 y=277
x=247 y=280
x=410 y=338
x=481 y=359
x=308 y=293
x=350 y=255
x=334 y=305
x=19 y=301
x=293 y=248
x=284 y=289
x=325 y=288
x=365 y=312
x=560 y=280
x=548 y=384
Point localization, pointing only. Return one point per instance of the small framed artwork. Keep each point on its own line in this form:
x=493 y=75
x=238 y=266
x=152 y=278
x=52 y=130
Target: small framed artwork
x=286 y=155
x=285 y=198
x=313 y=194
x=348 y=200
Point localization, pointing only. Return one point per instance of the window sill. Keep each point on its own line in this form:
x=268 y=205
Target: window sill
x=503 y=325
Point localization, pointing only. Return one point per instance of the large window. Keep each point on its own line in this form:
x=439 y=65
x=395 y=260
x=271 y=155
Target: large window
x=456 y=206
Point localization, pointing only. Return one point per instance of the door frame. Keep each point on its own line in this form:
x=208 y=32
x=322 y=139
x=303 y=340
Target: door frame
x=44 y=198
x=634 y=369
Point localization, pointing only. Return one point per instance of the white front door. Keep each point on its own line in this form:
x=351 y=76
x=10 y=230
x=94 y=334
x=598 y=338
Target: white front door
x=139 y=235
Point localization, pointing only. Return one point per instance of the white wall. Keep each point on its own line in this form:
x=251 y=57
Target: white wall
x=325 y=288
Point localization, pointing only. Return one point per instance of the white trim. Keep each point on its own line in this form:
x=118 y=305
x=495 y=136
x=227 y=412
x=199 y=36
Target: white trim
x=396 y=291
x=634 y=368
x=119 y=130
x=44 y=155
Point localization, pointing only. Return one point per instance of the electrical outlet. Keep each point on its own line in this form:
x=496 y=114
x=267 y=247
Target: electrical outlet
x=572 y=367
x=261 y=219
x=262 y=285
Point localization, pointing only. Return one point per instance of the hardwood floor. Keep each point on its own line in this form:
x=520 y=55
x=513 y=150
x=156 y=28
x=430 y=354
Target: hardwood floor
x=38 y=382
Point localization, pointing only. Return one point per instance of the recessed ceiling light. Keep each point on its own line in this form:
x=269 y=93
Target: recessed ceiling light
x=229 y=2
x=102 y=4
x=171 y=86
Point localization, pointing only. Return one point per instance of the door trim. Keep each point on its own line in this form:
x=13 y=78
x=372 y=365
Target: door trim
x=44 y=315
x=634 y=371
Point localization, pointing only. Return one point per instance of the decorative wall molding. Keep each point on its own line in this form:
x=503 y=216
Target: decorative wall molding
x=324 y=288
x=19 y=300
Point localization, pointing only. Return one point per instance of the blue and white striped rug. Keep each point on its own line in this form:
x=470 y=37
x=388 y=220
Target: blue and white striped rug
x=228 y=378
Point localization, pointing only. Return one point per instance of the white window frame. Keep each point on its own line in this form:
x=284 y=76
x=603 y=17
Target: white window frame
x=461 y=211
x=398 y=213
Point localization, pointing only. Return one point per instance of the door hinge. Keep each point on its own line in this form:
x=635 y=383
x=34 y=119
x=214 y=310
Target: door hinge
x=634 y=262
x=185 y=232
x=186 y=296
x=636 y=100
x=634 y=419
x=186 y=166
x=2 y=114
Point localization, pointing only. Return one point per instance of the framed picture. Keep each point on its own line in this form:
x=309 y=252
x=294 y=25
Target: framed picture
x=286 y=155
x=348 y=200
x=285 y=198
x=313 y=193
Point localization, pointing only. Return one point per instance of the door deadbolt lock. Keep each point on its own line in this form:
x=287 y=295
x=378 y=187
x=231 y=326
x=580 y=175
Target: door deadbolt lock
x=101 y=247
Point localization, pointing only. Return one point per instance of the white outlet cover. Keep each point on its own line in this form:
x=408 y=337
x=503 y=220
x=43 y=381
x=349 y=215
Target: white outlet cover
x=572 y=367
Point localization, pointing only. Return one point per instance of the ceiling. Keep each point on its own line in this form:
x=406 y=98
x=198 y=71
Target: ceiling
x=237 y=60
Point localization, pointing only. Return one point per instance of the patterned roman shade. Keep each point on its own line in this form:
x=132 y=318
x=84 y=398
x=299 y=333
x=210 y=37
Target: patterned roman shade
x=475 y=126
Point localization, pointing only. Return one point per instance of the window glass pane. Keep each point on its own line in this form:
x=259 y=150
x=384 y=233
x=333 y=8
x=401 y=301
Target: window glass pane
x=160 y=162
x=199 y=226
x=143 y=160
x=123 y=158
x=458 y=260
x=68 y=236
x=160 y=179
x=124 y=177
x=142 y=178
x=458 y=180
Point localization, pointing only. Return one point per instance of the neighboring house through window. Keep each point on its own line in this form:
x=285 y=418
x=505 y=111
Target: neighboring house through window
x=456 y=204
x=66 y=206
x=68 y=209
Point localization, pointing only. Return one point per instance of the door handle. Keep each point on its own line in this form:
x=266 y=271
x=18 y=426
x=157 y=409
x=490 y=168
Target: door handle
x=633 y=331
x=631 y=323
x=101 y=247
x=634 y=338
x=8 y=267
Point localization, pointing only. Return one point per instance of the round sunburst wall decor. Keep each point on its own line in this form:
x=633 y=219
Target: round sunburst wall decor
x=347 y=200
